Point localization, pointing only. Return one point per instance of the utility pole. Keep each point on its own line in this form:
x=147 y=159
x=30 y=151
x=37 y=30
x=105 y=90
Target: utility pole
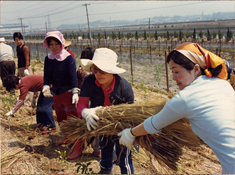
x=149 y=33
x=22 y=27
x=46 y=26
x=88 y=21
x=149 y=28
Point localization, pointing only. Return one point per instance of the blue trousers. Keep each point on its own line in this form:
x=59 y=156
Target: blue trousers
x=44 y=111
x=107 y=151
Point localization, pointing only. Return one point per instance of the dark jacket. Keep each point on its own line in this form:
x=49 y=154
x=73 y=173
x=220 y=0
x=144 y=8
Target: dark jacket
x=122 y=92
x=61 y=74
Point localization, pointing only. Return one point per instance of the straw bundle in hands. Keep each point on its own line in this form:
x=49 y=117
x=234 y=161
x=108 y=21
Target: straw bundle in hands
x=165 y=146
x=232 y=80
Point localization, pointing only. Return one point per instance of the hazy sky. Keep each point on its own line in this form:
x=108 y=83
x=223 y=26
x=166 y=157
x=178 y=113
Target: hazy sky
x=35 y=13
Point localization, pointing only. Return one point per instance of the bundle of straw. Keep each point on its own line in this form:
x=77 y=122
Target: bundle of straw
x=232 y=80
x=165 y=146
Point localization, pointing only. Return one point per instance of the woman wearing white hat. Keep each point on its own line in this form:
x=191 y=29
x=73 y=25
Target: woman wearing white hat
x=105 y=88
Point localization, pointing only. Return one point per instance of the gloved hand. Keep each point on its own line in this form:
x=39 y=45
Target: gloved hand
x=17 y=72
x=33 y=102
x=127 y=138
x=75 y=96
x=46 y=91
x=26 y=72
x=9 y=113
x=90 y=117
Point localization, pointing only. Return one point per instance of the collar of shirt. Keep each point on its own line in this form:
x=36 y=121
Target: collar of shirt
x=107 y=91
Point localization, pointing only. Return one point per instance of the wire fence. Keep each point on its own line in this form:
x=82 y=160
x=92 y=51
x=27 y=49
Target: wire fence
x=143 y=65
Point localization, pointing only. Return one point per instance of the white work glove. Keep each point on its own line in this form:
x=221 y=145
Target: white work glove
x=127 y=138
x=33 y=102
x=26 y=72
x=75 y=96
x=9 y=113
x=46 y=91
x=17 y=72
x=89 y=115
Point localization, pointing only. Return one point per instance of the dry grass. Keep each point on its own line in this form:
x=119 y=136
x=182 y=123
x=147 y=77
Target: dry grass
x=166 y=147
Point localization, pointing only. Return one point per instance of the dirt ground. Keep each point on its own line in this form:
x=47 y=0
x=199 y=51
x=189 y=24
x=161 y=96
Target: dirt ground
x=24 y=150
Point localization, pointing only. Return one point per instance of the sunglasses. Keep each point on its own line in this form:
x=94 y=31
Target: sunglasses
x=95 y=70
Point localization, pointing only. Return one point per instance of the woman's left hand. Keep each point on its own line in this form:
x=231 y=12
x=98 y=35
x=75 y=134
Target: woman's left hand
x=127 y=138
x=75 y=99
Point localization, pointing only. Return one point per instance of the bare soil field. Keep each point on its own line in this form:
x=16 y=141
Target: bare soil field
x=24 y=150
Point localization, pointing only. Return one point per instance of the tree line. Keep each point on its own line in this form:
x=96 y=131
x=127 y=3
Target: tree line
x=210 y=36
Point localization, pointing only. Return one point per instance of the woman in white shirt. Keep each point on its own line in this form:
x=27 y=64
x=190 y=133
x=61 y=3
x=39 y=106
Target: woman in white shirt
x=205 y=98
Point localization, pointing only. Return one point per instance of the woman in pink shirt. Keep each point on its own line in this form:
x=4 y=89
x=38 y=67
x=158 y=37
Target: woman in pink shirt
x=34 y=84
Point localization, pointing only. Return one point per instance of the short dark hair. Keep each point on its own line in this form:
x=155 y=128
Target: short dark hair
x=10 y=82
x=87 y=53
x=182 y=60
x=18 y=35
x=48 y=40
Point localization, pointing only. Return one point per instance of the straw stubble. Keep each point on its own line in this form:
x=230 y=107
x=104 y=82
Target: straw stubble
x=166 y=146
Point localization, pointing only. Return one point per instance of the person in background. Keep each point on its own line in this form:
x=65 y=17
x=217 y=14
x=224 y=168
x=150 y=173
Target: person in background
x=23 y=55
x=87 y=53
x=104 y=87
x=7 y=63
x=66 y=45
x=205 y=98
x=24 y=67
x=33 y=83
x=229 y=69
x=60 y=72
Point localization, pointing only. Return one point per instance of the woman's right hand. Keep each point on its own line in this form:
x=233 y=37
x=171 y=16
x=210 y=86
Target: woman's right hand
x=126 y=138
x=89 y=115
x=46 y=91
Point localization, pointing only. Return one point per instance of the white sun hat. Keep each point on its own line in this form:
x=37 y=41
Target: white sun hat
x=105 y=59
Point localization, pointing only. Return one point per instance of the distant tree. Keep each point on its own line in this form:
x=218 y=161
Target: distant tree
x=167 y=34
x=161 y=35
x=194 y=34
x=164 y=35
x=122 y=35
x=229 y=35
x=145 y=35
x=119 y=35
x=180 y=36
x=208 y=35
x=114 y=36
x=214 y=34
x=176 y=35
x=155 y=35
x=220 y=34
x=65 y=35
x=83 y=35
x=200 y=34
x=187 y=34
x=105 y=35
x=128 y=35
x=93 y=35
x=136 y=35
x=98 y=36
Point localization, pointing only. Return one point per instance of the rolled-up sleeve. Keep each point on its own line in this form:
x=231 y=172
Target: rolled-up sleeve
x=174 y=110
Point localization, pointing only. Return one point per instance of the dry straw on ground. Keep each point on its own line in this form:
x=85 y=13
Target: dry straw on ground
x=166 y=147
